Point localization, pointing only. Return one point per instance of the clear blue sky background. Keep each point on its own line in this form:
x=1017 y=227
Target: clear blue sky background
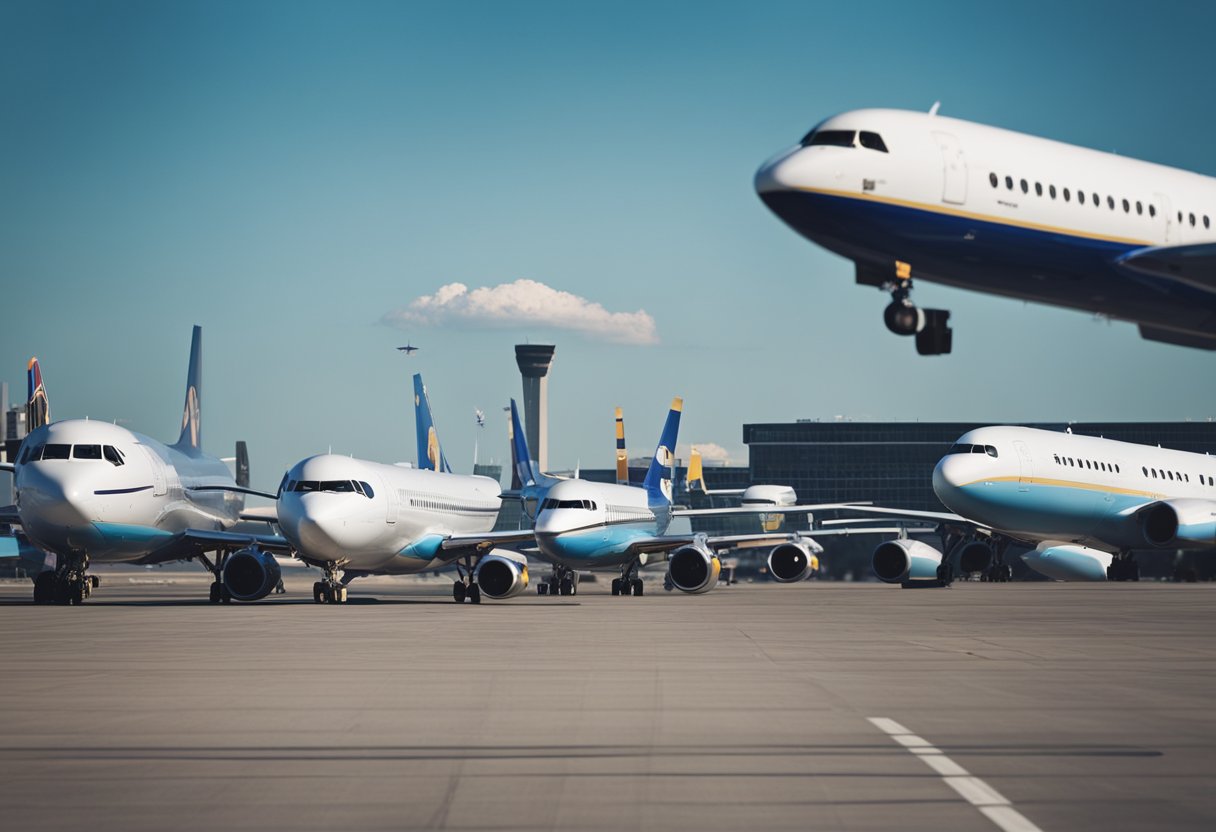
x=286 y=173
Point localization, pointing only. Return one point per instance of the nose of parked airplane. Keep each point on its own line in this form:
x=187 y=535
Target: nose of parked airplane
x=56 y=494
x=325 y=525
x=949 y=476
x=783 y=172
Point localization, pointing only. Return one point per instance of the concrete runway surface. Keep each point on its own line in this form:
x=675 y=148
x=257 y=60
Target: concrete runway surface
x=813 y=706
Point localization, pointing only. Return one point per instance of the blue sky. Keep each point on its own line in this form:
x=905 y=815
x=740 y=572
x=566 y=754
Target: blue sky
x=288 y=174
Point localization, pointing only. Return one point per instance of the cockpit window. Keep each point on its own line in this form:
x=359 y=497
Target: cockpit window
x=367 y=490
x=86 y=452
x=834 y=138
x=112 y=455
x=959 y=448
x=967 y=448
x=335 y=486
x=583 y=504
x=872 y=140
x=56 y=451
x=306 y=485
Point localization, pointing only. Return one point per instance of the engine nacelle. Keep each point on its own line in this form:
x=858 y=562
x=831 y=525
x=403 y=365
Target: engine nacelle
x=1182 y=522
x=899 y=561
x=792 y=561
x=251 y=574
x=1068 y=562
x=973 y=556
x=694 y=568
x=502 y=574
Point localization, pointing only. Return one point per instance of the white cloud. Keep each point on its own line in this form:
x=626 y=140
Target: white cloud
x=710 y=452
x=523 y=304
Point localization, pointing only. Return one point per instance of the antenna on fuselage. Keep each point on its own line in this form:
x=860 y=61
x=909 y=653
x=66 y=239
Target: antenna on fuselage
x=936 y=106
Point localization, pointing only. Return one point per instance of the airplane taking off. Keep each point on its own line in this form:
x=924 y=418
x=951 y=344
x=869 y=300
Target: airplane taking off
x=908 y=196
x=352 y=518
x=93 y=492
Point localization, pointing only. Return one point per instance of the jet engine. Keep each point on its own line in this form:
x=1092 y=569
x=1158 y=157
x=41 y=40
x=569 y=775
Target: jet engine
x=1068 y=562
x=502 y=574
x=694 y=568
x=901 y=561
x=251 y=574
x=1181 y=522
x=792 y=561
x=973 y=556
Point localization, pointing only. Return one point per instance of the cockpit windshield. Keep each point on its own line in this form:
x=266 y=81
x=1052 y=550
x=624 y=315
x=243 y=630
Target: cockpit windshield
x=337 y=486
x=965 y=448
x=845 y=138
x=55 y=450
x=587 y=505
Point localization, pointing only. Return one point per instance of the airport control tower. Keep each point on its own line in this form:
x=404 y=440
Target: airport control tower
x=534 y=361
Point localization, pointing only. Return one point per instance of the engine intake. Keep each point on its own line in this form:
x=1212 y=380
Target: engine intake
x=973 y=556
x=502 y=574
x=1183 y=522
x=901 y=561
x=251 y=574
x=694 y=568
x=792 y=561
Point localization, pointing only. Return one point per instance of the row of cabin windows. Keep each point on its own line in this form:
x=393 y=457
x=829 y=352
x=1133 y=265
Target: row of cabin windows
x=583 y=504
x=337 y=486
x=53 y=450
x=995 y=181
x=1109 y=467
x=1208 y=481
x=1159 y=474
x=442 y=505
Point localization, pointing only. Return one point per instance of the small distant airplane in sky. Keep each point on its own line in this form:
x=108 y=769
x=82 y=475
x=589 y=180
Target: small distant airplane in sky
x=408 y=348
x=480 y=417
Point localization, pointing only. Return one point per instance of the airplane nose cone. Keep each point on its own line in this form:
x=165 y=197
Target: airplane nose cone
x=317 y=537
x=52 y=496
x=327 y=525
x=948 y=477
x=779 y=173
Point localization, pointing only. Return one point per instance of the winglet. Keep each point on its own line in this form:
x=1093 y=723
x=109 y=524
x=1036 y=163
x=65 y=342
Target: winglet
x=519 y=447
x=696 y=475
x=430 y=453
x=658 y=476
x=191 y=439
x=37 y=407
x=622 y=457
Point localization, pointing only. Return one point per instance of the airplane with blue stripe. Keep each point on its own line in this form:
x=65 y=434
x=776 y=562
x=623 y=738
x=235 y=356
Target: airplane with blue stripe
x=918 y=196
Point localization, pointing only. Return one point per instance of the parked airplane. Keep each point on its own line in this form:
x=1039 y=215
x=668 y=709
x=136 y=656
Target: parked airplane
x=753 y=496
x=1085 y=502
x=352 y=518
x=909 y=195
x=93 y=492
x=585 y=525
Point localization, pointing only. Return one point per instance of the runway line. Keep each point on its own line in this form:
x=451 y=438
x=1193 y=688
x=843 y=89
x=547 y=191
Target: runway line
x=991 y=803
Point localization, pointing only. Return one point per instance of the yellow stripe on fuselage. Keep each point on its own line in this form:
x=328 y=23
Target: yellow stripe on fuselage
x=1084 y=486
x=954 y=212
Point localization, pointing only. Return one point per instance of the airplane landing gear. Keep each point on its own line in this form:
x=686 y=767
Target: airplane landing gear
x=466 y=588
x=331 y=590
x=930 y=326
x=69 y=585
x=563 y=581
x=1124 y=567
x=629 y=583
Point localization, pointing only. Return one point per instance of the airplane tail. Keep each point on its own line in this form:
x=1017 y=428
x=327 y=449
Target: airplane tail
x=37 y=407
x=528 y=475
x=191 y=439
x=242 y=464
x=622 y=456
x=430 y=453
x=658 y=476
x=696 y=473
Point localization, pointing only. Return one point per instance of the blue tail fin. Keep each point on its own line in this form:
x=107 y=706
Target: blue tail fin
x=430 y=454
x=519 y=450
x=191 y=439
x=37 y=407
x=658 y=476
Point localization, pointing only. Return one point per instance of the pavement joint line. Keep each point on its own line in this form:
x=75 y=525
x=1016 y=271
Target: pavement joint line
x=991 y=803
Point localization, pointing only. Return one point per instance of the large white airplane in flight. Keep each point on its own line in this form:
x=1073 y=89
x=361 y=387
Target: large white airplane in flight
x=94 y=492
x=909 y=195
x=1084 y=502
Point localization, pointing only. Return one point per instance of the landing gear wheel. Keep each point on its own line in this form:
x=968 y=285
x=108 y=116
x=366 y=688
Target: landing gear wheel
x=637 y=587
x=474 y=594
x=318 y=593
x=459 y=590
x=44 y=588
x=616 y=586
x=215 y=592
x=542 y=588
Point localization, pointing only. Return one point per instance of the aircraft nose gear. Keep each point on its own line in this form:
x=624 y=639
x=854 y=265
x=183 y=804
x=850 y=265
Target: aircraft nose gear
x=68 y=585
x=629 y=583
x=563 y=581
x=466 y=587
x=331 y=590
x=930 y=326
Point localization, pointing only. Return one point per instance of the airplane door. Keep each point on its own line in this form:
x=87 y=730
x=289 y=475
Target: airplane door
x=954 y=184
x=1163 y=208
x=1025 y=466
x=157 y=467
x=391 y=499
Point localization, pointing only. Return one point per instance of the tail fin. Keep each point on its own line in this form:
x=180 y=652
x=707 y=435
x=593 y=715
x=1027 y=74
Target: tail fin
x=658 y=476
x=696 y=476
x=242 y=464
x=430 y=454
x=519 y=450
x=622 y=457
x=191 y=439
x=37 y=407
x=516 y=485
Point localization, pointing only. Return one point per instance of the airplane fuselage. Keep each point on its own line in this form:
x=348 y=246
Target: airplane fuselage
x=586 y=525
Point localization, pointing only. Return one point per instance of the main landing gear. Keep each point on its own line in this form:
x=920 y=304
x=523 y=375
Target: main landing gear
x=466 y=587
x=218 y=593
x=930 y=326
x=1124 y=567
x=563 y=581
x=67 y=586
x=331 y=590
x=629 y=583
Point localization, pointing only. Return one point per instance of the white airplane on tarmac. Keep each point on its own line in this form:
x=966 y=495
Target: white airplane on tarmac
x=94 y=492
x=353 y=517
x=908 y=196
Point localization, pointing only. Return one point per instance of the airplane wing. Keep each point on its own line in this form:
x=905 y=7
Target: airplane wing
x=261 y=514
x=236 y=489
x=6 y=466
x=465 y=545
x=762 y=509
x=1193 y=265
x=208 y=541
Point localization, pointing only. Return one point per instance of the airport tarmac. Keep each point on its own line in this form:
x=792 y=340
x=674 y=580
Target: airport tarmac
x=1019 y=706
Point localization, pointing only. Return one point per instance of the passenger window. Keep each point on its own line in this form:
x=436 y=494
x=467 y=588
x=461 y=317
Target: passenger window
x=1051 y=190
x=992 y=180
x=1144 y=469
x=1207 y=223
x=1009 y=182
x=1116 y=468
x=56 y=451
x=1066 y=198
x=1171 y=474
x=1139 y=207
x=1057 y=456
x=1152 y=210
x=1110 y=202
x=1081 y=197
x=86 y=452
x=873 y=141
x=112 y=455
x=1154 y=473
x=1025 y=187
x=1127 y=207
x=1097 y=200
x=1192 y=217
x=1038 y=188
